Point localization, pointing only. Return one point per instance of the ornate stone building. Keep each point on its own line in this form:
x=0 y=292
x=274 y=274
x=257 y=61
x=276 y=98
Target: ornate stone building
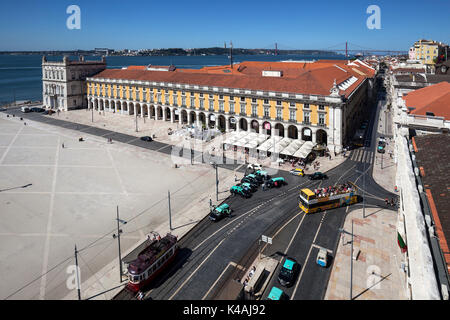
x=64 y=83
x=320 y=102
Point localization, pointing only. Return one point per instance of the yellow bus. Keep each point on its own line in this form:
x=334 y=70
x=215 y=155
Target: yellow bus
x=333 y=197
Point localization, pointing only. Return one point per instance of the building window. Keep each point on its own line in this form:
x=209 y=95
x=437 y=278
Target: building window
x=220 y=96
x=306 y=117
x=279 y=113
x=321 y=119
x=183 y=101
x=201 y=95
x=266 y=101
x=211 y=105
x=253 y=100
x=292 y=104
x=231 y=106
x=243 y=99
x=278 y=102
x=306 y=106
x=254 y=110
x=292 y=115
x=242 y=106
x=221 y=107
x=267 y=112
x=321 y=107
x=201 y=103
x=192 y=102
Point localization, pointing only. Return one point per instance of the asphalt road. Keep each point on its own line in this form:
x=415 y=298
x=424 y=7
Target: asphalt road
x=207 y=250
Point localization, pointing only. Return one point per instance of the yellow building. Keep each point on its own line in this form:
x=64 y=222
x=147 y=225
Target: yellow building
x=318 y=102
x=428 y=51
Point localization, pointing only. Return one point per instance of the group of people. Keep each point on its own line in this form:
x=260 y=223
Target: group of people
x=333 y=190
x=390 y=202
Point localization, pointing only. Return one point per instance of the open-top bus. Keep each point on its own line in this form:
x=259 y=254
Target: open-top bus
x=322 y=199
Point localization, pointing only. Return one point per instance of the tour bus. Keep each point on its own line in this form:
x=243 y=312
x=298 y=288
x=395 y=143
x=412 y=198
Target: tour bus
x=333 y=197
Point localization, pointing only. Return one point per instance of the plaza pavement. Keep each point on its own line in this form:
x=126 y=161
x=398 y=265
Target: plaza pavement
x=72 y=200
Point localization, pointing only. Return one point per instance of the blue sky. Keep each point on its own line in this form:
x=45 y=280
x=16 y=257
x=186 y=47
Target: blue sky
x=137 y=24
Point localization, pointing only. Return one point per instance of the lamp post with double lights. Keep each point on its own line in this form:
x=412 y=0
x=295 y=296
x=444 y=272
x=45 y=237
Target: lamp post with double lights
x=119 y=231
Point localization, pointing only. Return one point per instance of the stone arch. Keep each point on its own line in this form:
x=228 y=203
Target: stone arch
x=232 y=123
x=307 y=134
x=293 y=132
x=184 y=116
x=254 y=125
x=243 y=124
x=192 y=117
x=321 y=137
x=279 y=129
x=221 y=123
x=267 y=124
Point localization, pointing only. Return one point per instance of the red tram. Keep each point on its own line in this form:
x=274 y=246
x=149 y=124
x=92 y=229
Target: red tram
x=151 y=261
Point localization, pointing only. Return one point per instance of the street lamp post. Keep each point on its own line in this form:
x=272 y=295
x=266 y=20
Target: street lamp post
x=364 y=189
x=351 y=259
x=119 y=231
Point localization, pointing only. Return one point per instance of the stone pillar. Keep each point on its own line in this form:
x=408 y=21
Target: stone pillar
x=135 y=110
x=197 y=120
x=227 y=124
x=180 y=118
x=142 y=111
x=164 y=114
x=286 y=132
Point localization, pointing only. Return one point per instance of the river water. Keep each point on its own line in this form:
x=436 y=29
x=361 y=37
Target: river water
x=21 y=75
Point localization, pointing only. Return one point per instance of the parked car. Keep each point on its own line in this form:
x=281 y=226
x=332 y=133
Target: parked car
x=263 y=174
x=248 y=186
x=25 y=109
x=318 y=176
x=288 y=272
x=276 y=182
x=220 y=212
x=37 y=109
x=250 y=179
x=254 y=167
x=322 y=258
x=380 y=149
x=277 y=294
x=297 y=172
x=240 y=191
x=147 y=138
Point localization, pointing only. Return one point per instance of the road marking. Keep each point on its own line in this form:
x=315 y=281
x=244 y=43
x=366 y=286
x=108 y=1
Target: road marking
x=49 y=225
x=195 y=271
x=231 y=263
x=294 y=235
x=10 y=144
x=307 y=257
x=319 y=247
x=344 y=174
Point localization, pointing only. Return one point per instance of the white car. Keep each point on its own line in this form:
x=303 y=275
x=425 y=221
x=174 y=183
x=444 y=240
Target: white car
x=254 y=167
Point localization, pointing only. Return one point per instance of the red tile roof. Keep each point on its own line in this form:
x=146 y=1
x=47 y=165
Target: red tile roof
x=303 y=78
x=435 y=99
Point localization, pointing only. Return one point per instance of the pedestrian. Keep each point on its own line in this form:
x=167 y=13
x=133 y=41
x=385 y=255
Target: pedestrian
x=386 y=201
x=63 y=145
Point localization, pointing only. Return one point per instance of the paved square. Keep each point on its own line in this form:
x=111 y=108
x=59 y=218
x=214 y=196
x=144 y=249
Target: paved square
x=53 y=198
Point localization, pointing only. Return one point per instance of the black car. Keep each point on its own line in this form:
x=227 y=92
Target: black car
x=147 y=138
x=288 y=272
x=250 y=180
x=36 y=109
x=318 y=176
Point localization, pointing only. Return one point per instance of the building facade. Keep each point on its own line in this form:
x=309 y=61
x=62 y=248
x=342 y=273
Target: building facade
x=248 y=96
x=64 y=83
